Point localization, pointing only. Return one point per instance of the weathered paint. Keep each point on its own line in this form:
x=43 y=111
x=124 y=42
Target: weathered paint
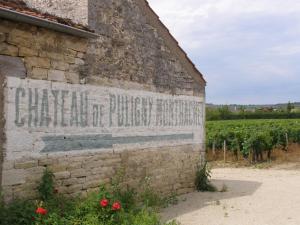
x=45 y=116
x=80 y=142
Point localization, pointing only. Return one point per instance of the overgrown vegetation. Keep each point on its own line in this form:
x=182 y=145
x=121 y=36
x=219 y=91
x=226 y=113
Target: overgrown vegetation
x=202 y=181
x=111 y=205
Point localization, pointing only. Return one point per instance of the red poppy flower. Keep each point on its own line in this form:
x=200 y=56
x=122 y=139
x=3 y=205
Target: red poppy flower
x=116 y=206
x=104 y=203
x=41 y=211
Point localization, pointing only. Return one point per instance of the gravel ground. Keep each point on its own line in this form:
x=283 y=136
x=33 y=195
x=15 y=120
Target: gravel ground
x=253 y=197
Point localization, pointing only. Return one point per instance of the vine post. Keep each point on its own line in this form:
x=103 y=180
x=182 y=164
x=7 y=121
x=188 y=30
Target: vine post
x=225 y=149
x=214 y=149
x=287 y=141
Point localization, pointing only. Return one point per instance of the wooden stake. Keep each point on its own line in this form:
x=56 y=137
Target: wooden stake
x=214 y=150
x=224 y=146
x=287 y=141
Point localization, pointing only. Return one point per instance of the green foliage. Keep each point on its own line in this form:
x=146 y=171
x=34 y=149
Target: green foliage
x=223 y=113
x=89 y=210
x=46 y=187
x=252 y=136
x=19 y=212
x=202 y=182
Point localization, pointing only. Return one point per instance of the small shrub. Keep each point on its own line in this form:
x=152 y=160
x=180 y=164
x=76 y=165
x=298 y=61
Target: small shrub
x=148 y=196
x=202 y=182
x=46 y=188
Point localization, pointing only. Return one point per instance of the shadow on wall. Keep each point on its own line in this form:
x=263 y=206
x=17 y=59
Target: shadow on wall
x=198 y=200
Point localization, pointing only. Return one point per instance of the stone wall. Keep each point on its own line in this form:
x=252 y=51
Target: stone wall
x=46 y=55
x=128 y=30
x=132 y=49
x=130 y=57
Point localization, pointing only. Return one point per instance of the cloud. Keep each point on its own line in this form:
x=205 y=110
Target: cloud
x=242 y=47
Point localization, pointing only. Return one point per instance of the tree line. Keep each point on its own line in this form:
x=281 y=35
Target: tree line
x=225 y=113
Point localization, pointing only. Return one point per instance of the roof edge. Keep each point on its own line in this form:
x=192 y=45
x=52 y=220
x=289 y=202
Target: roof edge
x=172 y=43
x=36 y=21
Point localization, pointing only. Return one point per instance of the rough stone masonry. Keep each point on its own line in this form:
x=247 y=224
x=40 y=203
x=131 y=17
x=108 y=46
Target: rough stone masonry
x=87 y=108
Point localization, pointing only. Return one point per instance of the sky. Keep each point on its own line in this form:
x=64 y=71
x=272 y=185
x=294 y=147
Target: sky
x=248 y=50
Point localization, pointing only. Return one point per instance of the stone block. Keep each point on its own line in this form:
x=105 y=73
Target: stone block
x=47 y=161
x=56 y=75
x=62 y=175
x=51 y=55
x=20 y=40
x=73 y=181
x=69 y=59
x=23 y=51
x=73 y=78
x=74 y=44
x=13 y=177
x=26 y=165
x=59 y=65
x=38 y=62
x=6 y=49
x=79 y=173
x=74 y=165
x=91 y=184
x=23 y=32
x=58 y=168
x=70 y=52
x=39 y=73
x=12 y=66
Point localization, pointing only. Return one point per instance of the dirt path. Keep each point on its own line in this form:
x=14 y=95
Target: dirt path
x=254 y=197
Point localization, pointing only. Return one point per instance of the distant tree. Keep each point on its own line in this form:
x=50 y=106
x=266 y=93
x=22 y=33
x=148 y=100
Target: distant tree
x=289 y=107
x=212 y=114
x=242 y=109
x=225 y=112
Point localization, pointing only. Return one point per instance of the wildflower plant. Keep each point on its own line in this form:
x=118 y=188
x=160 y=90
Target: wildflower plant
x=111 y=205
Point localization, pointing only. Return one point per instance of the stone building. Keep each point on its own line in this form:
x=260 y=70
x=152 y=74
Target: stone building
x=86 y=101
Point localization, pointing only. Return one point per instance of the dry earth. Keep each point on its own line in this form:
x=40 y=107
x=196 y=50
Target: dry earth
x=254 y=197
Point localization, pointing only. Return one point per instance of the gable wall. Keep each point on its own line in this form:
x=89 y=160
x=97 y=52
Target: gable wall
x=130 y=49
x=128 y=59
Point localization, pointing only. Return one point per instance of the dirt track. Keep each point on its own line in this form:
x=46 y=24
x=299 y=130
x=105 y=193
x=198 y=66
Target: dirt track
x=254 y=197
